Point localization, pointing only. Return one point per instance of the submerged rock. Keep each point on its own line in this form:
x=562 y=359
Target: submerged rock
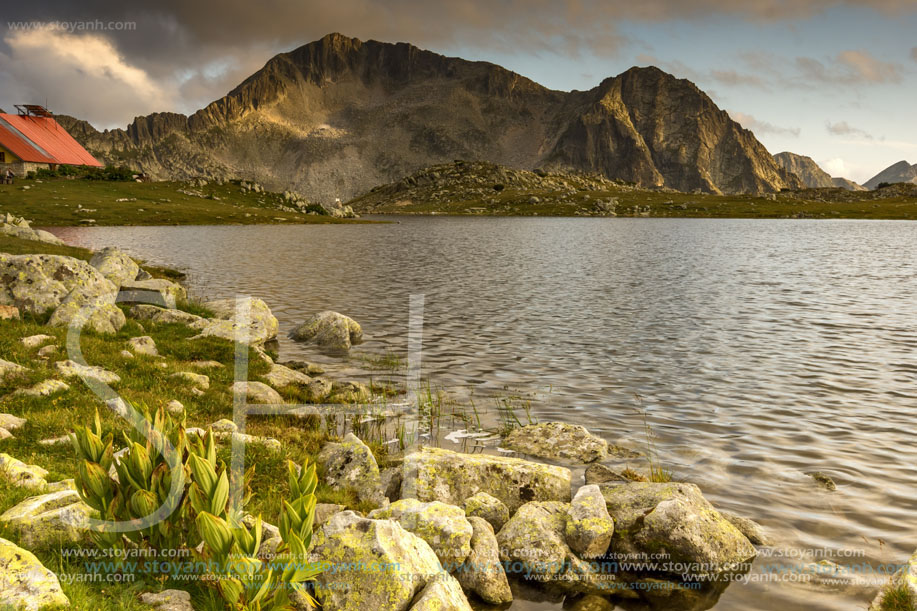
x=330 y=330
x=676 y=519
x=824 y=480
x=25 y=584
x=433 y=474
x=444 y=527
x=557 y=441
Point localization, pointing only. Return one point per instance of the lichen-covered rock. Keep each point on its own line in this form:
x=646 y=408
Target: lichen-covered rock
x=163 y=315
x=434 y=474
x=157 y=291
x=443 y=526
x=21 y=474
x=370 y=564
x=7 y=368
x=589 y=527
x=168 y=600
x=143 y=345
x=268 y=443
x=751 y=529
x=70 y=369
x=5 y=434
x=260 y=315
x=350 y=464
x=25 y=584
x=45 y=388
x=391 y=483
x=258 y=392
x=674 y=518
x=198 y=380
x=533 y=546
x=49 y=519
x=441 y=594
x=324 y=511
x=253 y=334
x=319 y=389
x=38 y=283
x=175 y=407
x=115 y=265
x=350 y=392
x=307 y=367
x=482 y=505
x=11 y=422
x=97 y=312
x=281 y=377
x=482 y=572
x=600 y=474
x=557 y=441
x=330 y=330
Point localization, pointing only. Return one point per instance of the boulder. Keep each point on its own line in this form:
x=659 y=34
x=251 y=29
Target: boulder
x=370 y=564
x=7 y=368
x=163 y=315
x=8 y=312
x=441 y=594
x=444 y=527
x=351 y=465
x=433 y=474
x=482 y=505
x=600 y=474
x=330 y=330
x=103 y=317
x=589 y=527
x=11 y=422
x=38 y=283
x=115 y=265
x=260 y=314
x=324 y=512
x=143 y=345
x=258 y=393
x=168 y=600
x=557 y=441
x=674 y=518
x=319 y=389
x=158 y=292
x=254 y=334
x=175 y=407
x=391 y=483
x=307 y=367
x=70 y=369
x=197 y=380
x=751 y=529
x=5 y=434
x=49 y=519
x=350 y=392
x=45 y=388
x=25 y=584
x=533 y=546
x=482 y=572
x=46 y=352
x=34 y=341
x=21 y=474
x=281 y=377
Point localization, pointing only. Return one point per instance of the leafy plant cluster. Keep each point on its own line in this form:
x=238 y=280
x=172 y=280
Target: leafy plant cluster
x=110 y=172
x=175 y=477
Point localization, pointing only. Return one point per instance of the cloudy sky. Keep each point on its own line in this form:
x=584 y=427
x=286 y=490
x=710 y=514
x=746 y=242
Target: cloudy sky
x=832 y=79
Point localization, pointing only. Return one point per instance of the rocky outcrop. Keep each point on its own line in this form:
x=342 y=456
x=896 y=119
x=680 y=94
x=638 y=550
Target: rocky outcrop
x=25 y=584
x=676 y=519
x=433 y=474
x=330 y=330
x=811 y=174
x=557 y=441
x=338 y=116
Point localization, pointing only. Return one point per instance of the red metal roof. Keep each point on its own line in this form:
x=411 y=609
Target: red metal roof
x=42 y=140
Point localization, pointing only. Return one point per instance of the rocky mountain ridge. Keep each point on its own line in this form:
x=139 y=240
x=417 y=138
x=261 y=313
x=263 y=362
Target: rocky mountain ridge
x=897 y=172
x=338 y=116
x=811 y=174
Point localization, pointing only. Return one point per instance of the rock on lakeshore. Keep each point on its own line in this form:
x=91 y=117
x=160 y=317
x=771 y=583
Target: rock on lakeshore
x=350 y=464
x=444 y=527
x=115 y=265
x=433 y=474
x=557 y=441
x=262 y=320
x=330 y=330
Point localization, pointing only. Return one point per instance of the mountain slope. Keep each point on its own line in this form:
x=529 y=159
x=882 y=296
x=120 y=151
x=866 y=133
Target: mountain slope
x=338 y=116
x=811 y=173
x=898 y=172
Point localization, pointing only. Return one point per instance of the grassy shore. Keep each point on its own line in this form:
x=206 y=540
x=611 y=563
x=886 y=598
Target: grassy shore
x=66 y=202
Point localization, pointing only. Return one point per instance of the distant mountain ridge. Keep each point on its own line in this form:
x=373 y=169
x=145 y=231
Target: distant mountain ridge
x=811 y=173
x=338 y=116
x=897 y=172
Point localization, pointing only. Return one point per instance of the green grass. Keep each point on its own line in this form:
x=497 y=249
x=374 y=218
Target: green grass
x=66 y=202
x=897 y=598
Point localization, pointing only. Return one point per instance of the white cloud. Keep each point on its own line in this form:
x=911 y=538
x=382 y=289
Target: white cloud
x=78 y=74
x=758 y=126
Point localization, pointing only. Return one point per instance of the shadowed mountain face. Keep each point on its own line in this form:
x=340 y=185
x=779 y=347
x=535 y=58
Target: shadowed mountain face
x=811 y=173
x=339 y=116
x=898 y=172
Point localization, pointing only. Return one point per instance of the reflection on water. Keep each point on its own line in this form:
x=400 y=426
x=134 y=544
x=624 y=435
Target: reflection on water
x=761 y=350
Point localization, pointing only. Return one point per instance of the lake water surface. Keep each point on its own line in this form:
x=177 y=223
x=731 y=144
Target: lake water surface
x=760 y=350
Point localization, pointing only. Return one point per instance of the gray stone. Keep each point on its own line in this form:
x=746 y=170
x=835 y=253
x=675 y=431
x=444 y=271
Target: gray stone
x=96 y=312
x=115 y=265
x=281 y=377
x=143 y=345
x=600 y=474
x=433 y=474
x=589 y=527
x=45 y=388
x=330 y=330
x=441 y=594
x=444 y=527
x=198 y=380
x=482 y=572
x=38 y=283
x=163 y=315
x=34 y=341
x=557 y=441
x=54 y=518
x=11 y=422
x=70 y=369
x=260 y=315
x=482 y=505
x=751 y=529
x=351 y=465
x=168 y=600
x=157 y=292
x=7 y=368
x=21 y=474
x=258 y=392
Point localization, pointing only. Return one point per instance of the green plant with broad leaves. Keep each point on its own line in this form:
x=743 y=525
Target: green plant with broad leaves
x=177 y=485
